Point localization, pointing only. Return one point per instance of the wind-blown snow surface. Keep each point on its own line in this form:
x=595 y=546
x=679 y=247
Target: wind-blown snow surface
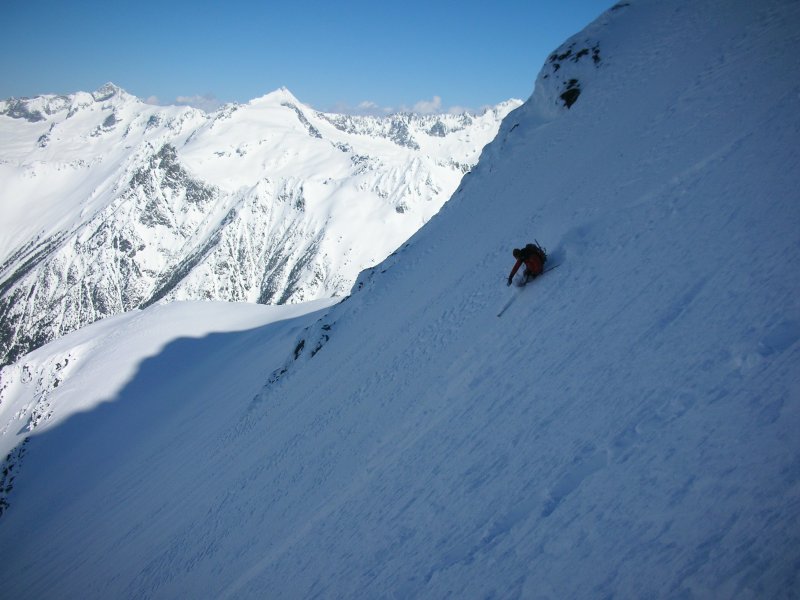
x=111 y=204
x=627 y=428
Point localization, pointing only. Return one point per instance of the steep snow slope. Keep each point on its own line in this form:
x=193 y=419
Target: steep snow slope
x=91 y=365
x=627 y=428
x=111 y=204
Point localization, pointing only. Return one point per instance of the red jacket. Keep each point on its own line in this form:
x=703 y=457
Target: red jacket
x=532 y=264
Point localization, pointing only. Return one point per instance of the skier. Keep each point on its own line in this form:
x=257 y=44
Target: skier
x=534 y=257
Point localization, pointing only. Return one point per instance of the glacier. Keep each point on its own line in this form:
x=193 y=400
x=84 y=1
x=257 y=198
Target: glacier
x=627 y=428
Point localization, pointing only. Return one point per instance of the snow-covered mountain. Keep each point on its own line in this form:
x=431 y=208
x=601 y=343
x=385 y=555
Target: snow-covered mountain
x=111 y=204
x=628 y=427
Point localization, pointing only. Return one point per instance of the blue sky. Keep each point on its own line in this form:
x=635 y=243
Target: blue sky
x=331 y=55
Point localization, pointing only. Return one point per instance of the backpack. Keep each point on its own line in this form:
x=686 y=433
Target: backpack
x=534 y=250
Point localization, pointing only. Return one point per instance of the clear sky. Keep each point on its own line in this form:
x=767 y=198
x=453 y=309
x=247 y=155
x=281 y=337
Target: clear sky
x=331 y=55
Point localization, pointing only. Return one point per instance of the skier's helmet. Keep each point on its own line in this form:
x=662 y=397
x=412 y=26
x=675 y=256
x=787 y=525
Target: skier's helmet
x=517 y=253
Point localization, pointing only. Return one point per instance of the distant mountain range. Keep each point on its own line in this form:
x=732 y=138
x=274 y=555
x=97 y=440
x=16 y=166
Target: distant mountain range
x=111 y=204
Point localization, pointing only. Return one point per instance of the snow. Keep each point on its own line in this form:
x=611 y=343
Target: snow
x=93 y=364
x=627 y=428
x=46 y=184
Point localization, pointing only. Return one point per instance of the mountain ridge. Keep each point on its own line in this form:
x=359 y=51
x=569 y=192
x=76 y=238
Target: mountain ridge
x=114 y=204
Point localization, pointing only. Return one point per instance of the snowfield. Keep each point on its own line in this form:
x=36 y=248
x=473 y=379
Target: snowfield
x=627 y=428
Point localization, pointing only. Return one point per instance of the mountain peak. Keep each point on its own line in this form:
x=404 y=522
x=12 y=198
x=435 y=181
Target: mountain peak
x=108 y=91
x=280 y=96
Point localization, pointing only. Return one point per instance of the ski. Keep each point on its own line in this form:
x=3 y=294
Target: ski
x=551 y=268
x=506 y=305
x=514 y=296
